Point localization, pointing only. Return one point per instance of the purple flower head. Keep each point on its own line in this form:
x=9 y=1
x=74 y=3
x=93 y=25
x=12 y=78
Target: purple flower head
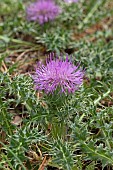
x=42 y=11
x=70 y=1
x=58 y=74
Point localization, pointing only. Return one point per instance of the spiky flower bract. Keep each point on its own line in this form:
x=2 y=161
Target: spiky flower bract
x=58 y=74
x=42 y=11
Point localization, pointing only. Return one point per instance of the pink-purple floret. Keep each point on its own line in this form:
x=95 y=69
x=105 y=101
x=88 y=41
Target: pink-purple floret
x=42 y=11
x=58 y=74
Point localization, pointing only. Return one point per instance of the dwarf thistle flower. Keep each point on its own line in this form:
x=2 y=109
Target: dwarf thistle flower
x=58 y=74
x=42 y=11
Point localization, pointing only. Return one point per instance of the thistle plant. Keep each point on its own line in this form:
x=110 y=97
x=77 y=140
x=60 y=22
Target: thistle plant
x=58 y=80
x=42 y=11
